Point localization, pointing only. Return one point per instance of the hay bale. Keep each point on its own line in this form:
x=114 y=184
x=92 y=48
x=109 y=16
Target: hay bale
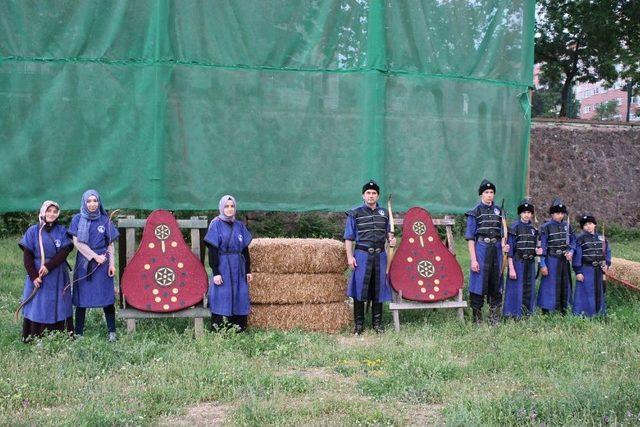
x=281 y=255
x=275 y=288
x=625 y=272
x=331 y=317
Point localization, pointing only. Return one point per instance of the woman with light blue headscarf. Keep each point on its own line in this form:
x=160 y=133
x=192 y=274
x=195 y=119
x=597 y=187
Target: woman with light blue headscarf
x=228 y=243
x=93 y=235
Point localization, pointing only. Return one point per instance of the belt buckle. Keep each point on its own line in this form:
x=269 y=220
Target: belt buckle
x=486 y=240
x=558 y=251
x=595 y=263
x=371 y=250
x=378 y=250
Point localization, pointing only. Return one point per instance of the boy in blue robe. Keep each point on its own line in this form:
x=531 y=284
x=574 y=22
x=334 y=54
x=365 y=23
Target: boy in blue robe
x=484 y=235
x=368 y=226
x=93 y=235
x=558 y=242
x=519 y=293
x=591 y=261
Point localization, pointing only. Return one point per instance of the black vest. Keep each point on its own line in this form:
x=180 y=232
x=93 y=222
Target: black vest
x=592 y=248
x=556 y=237
x=488 y=223
x=371 y=226
x=526 y=239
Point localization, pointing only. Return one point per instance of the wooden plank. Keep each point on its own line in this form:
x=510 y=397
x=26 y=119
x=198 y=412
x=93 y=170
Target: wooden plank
x=436 y=221
x=195 y=239
x=426 y=305
x=198 y=326
x=132 y=313
x=194 y=222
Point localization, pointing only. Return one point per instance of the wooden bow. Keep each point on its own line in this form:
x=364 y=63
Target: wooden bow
x=392 y=229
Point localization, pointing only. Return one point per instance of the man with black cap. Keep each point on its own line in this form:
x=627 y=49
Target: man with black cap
x=520 y=288
x=368 y=226
x=484 y=239
x=558 y=242
x=590 y=262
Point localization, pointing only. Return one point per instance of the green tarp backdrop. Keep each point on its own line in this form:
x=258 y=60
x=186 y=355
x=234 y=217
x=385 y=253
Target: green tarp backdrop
x=288 y=105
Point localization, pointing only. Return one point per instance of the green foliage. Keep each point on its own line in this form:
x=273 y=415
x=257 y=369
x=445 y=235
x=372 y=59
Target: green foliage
x=607 y=110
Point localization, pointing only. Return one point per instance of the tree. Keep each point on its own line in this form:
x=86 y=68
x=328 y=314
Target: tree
x=606 y=111
x=629 y=28
x=577 y=41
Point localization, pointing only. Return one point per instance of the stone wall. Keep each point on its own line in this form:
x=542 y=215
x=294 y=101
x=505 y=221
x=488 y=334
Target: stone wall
x=592 y=167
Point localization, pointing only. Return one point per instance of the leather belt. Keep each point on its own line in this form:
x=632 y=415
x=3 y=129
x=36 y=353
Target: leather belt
x=371 y=250
x=526 y=256
x=557 y=252
x=487 y=239
x=598 y=263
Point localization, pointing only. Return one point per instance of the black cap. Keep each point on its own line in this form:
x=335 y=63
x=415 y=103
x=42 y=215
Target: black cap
x=486 y=185
x=587 y=217
x=371 y=185
x=525 y=205
x=557 y=206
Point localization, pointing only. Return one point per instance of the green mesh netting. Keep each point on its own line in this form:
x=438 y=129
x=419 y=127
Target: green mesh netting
x=288 y=105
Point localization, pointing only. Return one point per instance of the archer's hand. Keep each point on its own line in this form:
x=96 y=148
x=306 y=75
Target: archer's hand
x=538 y=251
x=100 y=259
x=392 y=240
x=112 y=271
x=475 y=266
x=37 y=281
x=352 y=262
x=249 y=277
x=505 y=248
x=569 y=256
x=43 y=271
x=512 y=274
x=580 y=277
x=217 y=280
x=544 y=271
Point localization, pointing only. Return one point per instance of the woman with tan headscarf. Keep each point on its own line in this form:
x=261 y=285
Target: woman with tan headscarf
x=46 y=298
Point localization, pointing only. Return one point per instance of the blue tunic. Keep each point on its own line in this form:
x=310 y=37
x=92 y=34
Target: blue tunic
x=515 y=300
x=51 y=303
x=231 y=298
x=547 y=297
x=96 y=290
x=476 y=280
x=584 y=297
x=356 y=283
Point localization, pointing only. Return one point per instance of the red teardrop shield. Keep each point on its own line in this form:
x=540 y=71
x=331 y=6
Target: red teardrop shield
x=163 y=275
x=422 y=267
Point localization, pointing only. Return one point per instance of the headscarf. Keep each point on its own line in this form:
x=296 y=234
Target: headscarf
x=221 y=204
x=42 y=223
x=86 y=216
x=43 y=209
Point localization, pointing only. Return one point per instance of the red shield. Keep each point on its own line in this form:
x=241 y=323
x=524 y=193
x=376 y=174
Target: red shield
x=422 y=267
x=163 y=275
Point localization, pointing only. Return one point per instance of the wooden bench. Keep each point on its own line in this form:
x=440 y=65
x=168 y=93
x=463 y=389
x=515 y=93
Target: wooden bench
x=458 y=302
x=127 y=227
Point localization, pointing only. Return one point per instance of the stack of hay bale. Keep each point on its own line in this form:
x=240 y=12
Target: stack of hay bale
x=299 y=283
x=625 y=272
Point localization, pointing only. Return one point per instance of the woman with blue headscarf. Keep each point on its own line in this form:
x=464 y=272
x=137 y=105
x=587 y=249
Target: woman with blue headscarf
x=228 y=241
x=93 y=235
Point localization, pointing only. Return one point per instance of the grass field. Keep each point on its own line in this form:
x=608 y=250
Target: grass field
x=547 y=370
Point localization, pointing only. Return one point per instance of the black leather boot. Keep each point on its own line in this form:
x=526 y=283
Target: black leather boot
x=376 y=317
x=477 y=316
x=358 y=316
